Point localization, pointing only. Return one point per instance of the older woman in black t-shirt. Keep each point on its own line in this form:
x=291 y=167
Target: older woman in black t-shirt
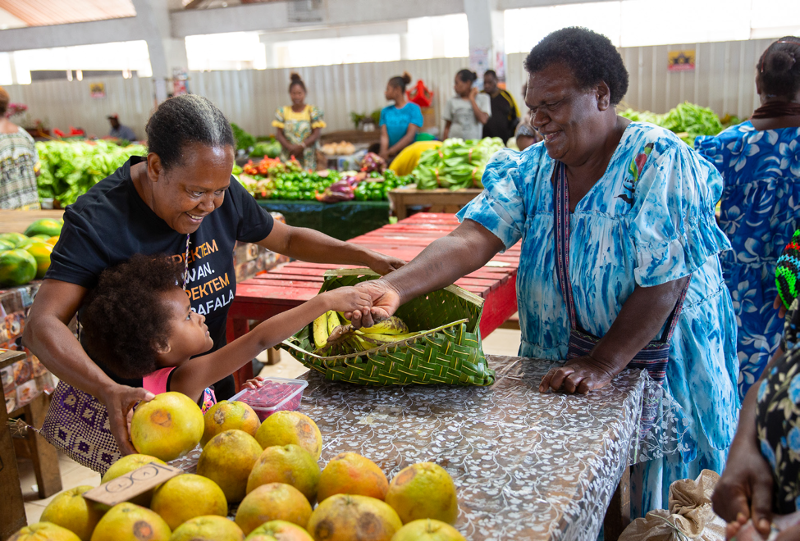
x=180 y=200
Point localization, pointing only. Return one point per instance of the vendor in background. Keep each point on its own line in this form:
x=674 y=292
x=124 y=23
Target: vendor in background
x=118 y=131
x=505 y=113
x=526 y=135
x=639 y=222
x=299 y=126
x=19 y=163
x=760 y=163
x=179 y=200
x=399 y=122
x=466 y=113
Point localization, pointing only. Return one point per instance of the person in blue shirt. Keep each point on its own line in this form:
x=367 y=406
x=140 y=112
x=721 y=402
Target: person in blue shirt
x=399 y=122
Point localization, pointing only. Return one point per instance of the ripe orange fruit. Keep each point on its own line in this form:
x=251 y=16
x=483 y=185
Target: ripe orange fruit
x=208 y=528
x=351 y=473
x=273 y=501
x=285 y=427
x=44 y=531
x=188 y=496
x=289 y=464
x=423 y=490
x=69 y=510
x=427 y=529
x=129 y=522
x=227 y=460
x=169 y=426
x=226 y=415
x=279 y=530
x=343 y=517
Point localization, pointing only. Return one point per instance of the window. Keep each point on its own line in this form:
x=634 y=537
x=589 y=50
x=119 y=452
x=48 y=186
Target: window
x=638 y=23
x=230 y=51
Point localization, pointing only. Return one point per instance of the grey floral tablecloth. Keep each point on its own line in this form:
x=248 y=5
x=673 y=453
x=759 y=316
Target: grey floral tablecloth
x=526 y=465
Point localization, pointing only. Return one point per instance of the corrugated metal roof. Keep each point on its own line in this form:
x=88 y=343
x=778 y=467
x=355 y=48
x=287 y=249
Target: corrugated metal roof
x=50 y=12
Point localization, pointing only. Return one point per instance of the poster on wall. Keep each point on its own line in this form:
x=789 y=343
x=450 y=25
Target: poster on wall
x=180 y=84
x=479 y=62
x=97 y=90
x=681 y=60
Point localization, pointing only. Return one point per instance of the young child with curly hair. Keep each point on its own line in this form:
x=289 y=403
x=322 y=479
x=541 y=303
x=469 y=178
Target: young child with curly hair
x=138 y=323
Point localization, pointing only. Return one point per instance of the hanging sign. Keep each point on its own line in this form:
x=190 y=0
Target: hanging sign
x=681 y=60
x=97 y=90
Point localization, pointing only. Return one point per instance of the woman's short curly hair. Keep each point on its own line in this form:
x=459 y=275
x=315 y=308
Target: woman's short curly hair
x=124 y=318
x=591 y=57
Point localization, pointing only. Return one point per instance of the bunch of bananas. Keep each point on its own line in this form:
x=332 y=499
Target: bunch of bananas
x=335 y=335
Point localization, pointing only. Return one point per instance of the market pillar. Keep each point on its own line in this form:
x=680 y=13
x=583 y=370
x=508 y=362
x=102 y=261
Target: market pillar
x=166 y=53
x=486 y=37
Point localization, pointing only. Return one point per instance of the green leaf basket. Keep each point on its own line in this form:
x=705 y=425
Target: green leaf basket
x=450 y=352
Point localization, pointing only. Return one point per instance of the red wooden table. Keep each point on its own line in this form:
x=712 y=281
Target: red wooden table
x=289 y=285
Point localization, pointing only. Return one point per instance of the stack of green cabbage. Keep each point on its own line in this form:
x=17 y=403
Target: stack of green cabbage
x=687 y=120
x=69 y=169
x=456 y=164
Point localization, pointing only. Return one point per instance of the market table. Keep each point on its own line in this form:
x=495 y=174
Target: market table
x=526 y=465
x=440 y=199
x=18 y=220
x=287 y=286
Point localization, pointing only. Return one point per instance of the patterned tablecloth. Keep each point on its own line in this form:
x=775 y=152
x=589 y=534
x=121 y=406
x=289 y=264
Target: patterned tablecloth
x=526 y=465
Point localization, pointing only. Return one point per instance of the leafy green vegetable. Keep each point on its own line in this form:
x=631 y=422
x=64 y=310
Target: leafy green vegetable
x=243 y=139
x=270 y=149
x=69 y=169
x=687 y=120
x=456 y=164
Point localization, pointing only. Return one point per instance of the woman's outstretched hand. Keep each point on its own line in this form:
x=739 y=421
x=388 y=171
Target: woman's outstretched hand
x=119 y=400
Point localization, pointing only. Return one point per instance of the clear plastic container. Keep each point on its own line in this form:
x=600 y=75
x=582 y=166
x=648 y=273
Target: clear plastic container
x=277 y=394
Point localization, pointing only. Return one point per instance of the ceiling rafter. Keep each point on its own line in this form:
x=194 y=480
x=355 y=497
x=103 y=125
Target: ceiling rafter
x=50 y=12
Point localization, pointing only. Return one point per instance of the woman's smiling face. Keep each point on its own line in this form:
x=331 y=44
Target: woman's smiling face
x=188 y=192
x=562 y=112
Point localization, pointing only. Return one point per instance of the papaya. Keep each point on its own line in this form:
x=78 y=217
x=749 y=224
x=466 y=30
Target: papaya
x=14 y=238
x=17 y=267
x=41 y=253
x=45 y=226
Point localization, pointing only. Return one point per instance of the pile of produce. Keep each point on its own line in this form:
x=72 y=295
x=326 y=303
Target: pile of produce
x=244 y=141
x=69 y=169
x=456 y=164
x=270 y=469
x=342 y=148
x=687 y=121
x=275 y=179
x=27 y=257
x=268 y=149
x=335 y=335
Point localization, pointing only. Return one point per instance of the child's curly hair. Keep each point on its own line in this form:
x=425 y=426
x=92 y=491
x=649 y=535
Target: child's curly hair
x=124 y=319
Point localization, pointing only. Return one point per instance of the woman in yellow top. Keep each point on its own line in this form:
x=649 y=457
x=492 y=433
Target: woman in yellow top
x=299 y=126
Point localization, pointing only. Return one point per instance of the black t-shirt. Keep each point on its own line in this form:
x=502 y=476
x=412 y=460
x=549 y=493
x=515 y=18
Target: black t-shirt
x=504 y=116
x=111 y=223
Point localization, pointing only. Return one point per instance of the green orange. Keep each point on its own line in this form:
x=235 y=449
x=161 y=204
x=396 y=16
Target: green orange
x=423 y=490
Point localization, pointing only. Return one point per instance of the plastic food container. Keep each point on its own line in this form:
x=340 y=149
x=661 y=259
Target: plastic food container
x=277 y=394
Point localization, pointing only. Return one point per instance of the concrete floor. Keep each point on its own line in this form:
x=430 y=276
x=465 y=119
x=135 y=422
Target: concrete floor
x=500 y=342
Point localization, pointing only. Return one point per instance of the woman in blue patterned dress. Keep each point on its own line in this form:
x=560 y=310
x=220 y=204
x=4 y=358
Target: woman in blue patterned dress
x=641 y=213
x=760 y=165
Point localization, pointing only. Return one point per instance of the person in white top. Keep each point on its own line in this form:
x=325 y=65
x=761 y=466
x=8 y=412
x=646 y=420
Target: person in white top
x=467 y=112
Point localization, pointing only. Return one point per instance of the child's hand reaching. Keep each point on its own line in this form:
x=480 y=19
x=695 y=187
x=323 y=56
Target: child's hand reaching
x=348 y=299
x=254 y=383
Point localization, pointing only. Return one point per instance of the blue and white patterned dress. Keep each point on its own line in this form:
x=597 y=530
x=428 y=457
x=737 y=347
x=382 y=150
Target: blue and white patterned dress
x=760 y=203
x=649 y=220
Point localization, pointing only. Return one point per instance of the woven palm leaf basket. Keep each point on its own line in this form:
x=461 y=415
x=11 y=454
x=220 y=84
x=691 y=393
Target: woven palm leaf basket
x=449 y=352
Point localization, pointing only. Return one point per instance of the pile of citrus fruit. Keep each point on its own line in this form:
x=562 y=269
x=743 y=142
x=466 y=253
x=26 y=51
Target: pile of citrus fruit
x=25 y=257
x=270 y=469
